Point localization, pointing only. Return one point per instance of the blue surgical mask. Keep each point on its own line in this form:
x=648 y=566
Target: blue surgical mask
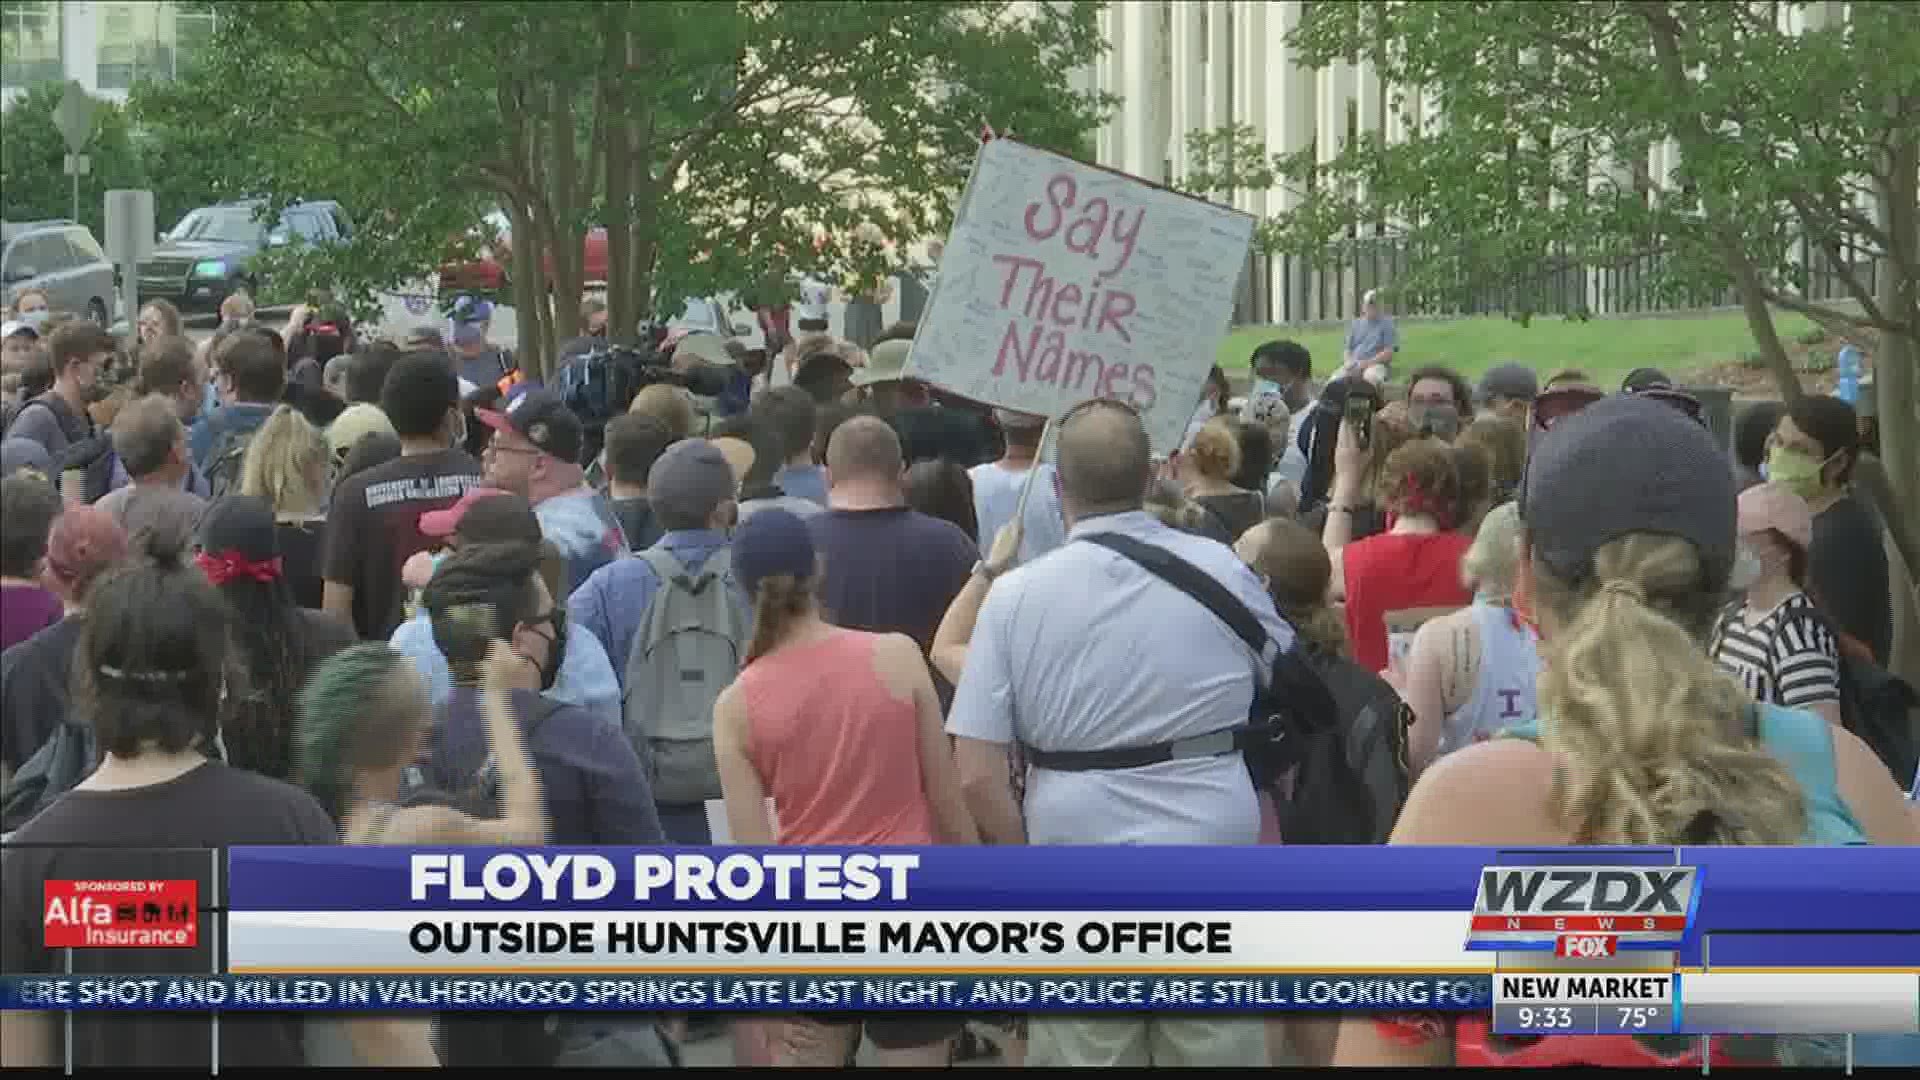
x=1763 y=470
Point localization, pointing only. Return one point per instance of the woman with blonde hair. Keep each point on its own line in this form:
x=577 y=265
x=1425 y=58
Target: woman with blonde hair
x=842 y=730
x=1207 y=470
x=286 y=465
x=1639 y=739
x=1471 y=674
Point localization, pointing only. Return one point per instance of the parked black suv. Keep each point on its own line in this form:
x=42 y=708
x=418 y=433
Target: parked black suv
x=211 y=253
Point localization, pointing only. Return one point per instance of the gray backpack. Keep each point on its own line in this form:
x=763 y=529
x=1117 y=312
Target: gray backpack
x=688 y=649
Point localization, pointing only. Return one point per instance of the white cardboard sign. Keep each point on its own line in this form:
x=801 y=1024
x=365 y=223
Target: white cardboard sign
x=1063 y=282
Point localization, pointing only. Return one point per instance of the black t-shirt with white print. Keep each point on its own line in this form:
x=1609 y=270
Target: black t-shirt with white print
x=1786 y=657
x=373 y=528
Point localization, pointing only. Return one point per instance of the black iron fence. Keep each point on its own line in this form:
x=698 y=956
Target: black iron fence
x=1292 y=289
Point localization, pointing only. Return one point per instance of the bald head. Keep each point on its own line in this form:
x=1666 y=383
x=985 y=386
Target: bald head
x=865 y=449
x=1105 y=461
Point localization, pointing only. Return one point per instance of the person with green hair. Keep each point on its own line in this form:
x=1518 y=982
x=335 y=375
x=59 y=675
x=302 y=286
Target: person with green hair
x=364 y=719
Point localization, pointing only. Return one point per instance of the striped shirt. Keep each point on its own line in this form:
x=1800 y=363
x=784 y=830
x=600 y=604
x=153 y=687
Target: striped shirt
x=1787 y=657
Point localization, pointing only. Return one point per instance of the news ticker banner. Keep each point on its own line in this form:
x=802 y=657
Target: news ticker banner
x=1040 y=929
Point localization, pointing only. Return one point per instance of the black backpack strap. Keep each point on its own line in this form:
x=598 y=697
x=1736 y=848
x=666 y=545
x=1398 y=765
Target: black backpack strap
x=1193 y=581
x=1215 y=597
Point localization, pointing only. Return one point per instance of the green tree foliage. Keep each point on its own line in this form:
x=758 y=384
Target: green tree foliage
x=1537 y=161
x=712 y=140
x=33 y=180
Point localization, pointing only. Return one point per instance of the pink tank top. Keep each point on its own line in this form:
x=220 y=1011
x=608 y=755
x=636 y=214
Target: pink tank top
x=836 y=750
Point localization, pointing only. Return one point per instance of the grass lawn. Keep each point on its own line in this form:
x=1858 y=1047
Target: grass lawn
x=1606 y=349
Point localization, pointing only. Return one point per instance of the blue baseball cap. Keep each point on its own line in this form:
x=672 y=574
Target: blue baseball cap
x=770 y=543
x=471 y=309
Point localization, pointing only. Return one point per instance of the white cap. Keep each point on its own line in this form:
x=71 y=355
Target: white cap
x=1370 y=296
x=15 y=326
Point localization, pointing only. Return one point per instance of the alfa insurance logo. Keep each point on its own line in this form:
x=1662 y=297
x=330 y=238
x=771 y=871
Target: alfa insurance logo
x=139 y=914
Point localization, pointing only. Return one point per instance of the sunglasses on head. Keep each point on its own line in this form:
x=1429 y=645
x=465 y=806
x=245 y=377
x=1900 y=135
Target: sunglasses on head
x=1556 y=405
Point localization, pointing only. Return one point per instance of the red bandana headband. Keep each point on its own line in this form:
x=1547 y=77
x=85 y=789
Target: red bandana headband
x=230 y=565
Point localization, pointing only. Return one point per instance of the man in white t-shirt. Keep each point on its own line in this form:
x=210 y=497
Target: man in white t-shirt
x=997 y=486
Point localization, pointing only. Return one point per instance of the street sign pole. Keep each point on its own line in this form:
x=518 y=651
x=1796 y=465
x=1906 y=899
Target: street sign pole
x=74 y=118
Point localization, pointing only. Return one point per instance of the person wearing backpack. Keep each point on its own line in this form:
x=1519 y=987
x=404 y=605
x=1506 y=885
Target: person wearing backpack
x=670 y=611
x=591 y=783
x=1127 y=697
x=84 y=543
x=1640 y=739
x=60 y=417
x=253 y=376
x=1293 y=562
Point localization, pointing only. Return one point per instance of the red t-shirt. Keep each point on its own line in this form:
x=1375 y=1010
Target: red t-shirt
x=1398 y=572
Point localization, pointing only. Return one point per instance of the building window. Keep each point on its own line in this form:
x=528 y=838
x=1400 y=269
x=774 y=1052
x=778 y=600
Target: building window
x=151 y=41
x=29 y=42
x=193 y=27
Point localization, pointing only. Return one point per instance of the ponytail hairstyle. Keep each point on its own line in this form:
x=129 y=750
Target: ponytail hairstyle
x=154 y=663
x=282 y=461
x=355 y=715
x=1298 y=570
x=1655 y=739
x=778 y=600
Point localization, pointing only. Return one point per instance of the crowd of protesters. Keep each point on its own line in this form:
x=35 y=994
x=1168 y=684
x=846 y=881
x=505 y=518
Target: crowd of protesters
x=291 y=588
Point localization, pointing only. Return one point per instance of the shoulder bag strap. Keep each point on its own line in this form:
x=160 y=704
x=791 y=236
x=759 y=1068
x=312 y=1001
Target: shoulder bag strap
x=1193 y=581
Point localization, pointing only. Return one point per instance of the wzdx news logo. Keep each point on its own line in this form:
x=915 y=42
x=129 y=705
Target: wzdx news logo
x=1582 y=911
x=143 y=914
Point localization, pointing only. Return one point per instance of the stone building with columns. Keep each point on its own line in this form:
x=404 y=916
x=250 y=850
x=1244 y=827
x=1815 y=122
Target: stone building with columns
x=1182 y=66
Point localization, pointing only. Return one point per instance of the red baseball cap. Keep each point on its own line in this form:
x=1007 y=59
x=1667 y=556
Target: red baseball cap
x=440 y=524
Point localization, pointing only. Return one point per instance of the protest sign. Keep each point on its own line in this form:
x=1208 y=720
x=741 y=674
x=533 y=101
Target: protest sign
x=1062 y=281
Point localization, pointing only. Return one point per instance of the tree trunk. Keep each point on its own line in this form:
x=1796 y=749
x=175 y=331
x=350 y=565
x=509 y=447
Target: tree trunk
x=1753 y=303
x=568 y=257
x=1896 y=367
x=622 y=319
x=529 y=290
